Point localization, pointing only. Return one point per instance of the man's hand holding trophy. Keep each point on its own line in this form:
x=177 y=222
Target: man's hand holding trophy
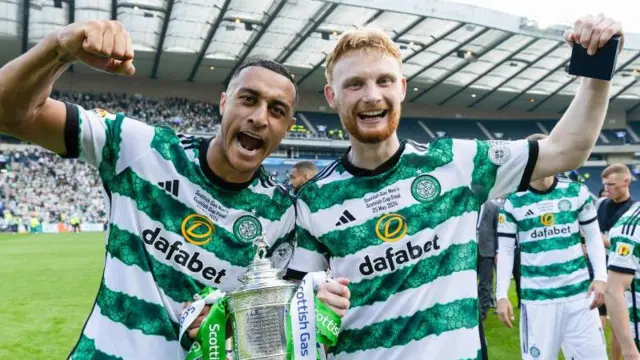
x=269 y=318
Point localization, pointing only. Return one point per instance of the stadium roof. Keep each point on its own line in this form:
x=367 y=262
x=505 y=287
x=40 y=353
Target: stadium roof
x=454 y=54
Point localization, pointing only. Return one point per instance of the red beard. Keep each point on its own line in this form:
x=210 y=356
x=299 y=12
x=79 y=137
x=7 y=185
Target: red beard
x=368 y=136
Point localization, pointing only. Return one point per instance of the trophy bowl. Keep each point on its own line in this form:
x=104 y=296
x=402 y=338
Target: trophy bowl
x=259 y=309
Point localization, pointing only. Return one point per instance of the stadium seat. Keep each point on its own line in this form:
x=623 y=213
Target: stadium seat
x=410 y=129
x=463 y=129
x=511 y=129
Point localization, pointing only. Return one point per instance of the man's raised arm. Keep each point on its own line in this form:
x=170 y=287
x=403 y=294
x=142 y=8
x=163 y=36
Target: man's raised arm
x=572 y=139
x=26 y=111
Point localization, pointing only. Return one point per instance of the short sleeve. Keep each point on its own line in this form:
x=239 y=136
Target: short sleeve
x=310 y=255
x=107 y=141
x=507 y=226
x=586 y=207
x=502 y=167
x=624 y=254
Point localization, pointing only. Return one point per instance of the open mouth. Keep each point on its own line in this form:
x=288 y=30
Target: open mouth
x=372 y=115
x=249 y=142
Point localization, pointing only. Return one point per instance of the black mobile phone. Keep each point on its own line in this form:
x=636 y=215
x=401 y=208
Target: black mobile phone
x=601 y=66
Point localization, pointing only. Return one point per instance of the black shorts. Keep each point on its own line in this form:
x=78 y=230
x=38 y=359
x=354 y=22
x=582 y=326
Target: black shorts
x=602 y=309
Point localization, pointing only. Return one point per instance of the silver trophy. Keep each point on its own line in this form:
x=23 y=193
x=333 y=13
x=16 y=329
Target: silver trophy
x=259 y=308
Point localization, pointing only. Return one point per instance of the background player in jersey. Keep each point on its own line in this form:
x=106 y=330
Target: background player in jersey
x=547 y=220
x=616 y=179
x=410 y=251
x=160 y=250
x=301 y=172
x=624 y=279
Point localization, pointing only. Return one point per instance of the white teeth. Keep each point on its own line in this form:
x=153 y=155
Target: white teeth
x=253 y=136
x=372 y=113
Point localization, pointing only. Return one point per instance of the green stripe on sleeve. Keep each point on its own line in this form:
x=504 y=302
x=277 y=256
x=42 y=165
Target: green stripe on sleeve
x=134 y=313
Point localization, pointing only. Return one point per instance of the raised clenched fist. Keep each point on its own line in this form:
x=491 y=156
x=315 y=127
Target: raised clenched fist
x=103 y=45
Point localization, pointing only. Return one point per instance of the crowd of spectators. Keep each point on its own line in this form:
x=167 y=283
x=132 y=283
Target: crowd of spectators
x=186 y=116
x=35 y=183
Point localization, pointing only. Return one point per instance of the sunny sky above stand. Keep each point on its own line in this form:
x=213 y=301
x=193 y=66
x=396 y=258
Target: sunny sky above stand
x=550 y=12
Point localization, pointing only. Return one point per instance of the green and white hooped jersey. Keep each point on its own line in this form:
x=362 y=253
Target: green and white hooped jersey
x=624 y=257
x=547 y=227
x=405 y=236
x=174 y=227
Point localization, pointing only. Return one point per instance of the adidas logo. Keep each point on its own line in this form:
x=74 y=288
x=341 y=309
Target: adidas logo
x=529 y=213
x=171 y=186
x=345 y=218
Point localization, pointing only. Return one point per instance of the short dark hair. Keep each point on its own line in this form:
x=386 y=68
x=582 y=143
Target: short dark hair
x=269 y=65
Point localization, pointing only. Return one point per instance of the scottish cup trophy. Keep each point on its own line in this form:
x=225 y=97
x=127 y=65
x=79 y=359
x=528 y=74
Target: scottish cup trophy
x=267 y=322
x=258 y=310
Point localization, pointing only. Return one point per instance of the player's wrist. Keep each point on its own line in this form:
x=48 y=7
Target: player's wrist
x=631 y=354
x=595 y=86
x=52 y=43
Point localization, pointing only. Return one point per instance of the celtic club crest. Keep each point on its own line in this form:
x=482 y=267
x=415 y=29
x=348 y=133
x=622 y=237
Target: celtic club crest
x=499 y=154
x=247 y=228
x=535 y=352
x=564 y=205
x=425 y=188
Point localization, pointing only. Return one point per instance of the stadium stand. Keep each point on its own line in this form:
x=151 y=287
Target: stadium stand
x=462 y=129
x=48 y=190
x=458 y=59
x=634 y=126
x=590 y=176
x=182 y=114
x=410 y=129
x=511 y=129
x=37 y=183
x=617 y=136
x=327 y=125
x=200 y=117
x=547 y=125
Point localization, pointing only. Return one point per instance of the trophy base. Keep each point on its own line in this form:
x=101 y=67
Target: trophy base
x=282 y=356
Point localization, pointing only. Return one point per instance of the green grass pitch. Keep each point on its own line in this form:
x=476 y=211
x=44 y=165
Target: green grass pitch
x=48 y=283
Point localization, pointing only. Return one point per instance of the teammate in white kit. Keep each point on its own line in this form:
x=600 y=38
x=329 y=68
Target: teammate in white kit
x=184 y=212
x=623 y=290
x=547 y=220
x=398 y=218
